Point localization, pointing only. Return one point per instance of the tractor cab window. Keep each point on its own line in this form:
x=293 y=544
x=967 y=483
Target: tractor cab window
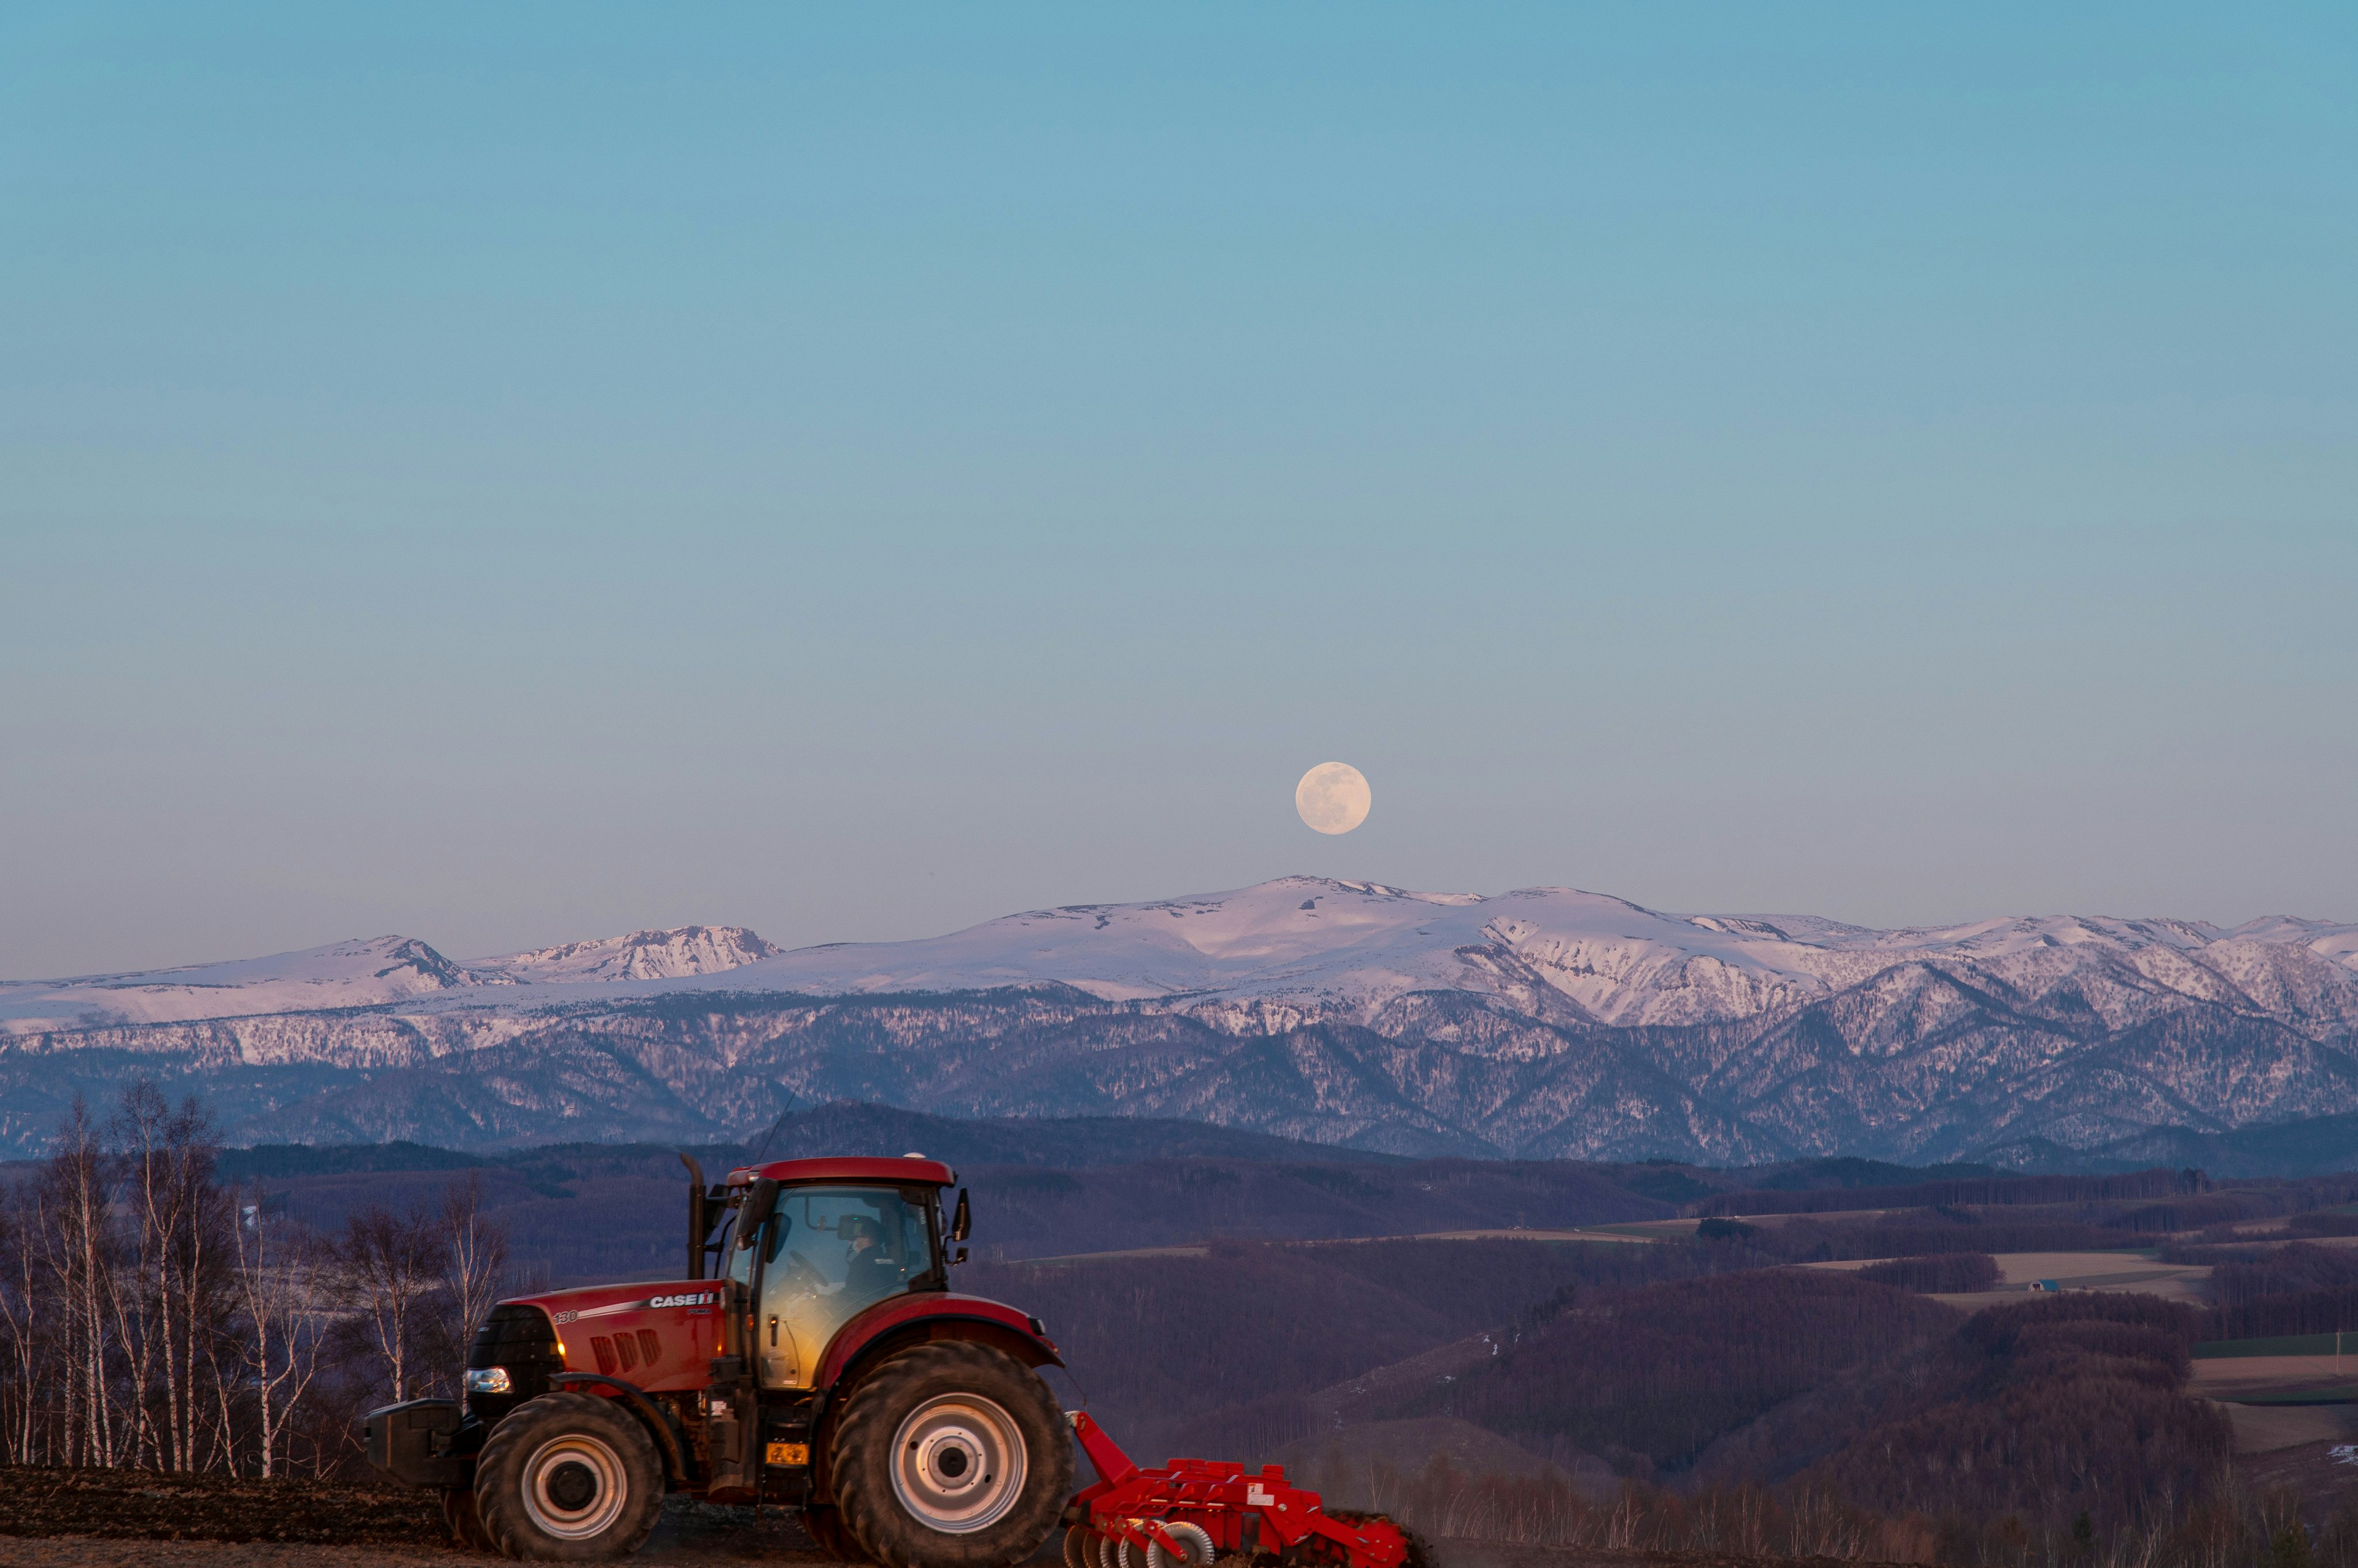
x=830 y=1252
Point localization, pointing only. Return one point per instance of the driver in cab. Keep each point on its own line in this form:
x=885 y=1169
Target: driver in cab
x=869 y=1269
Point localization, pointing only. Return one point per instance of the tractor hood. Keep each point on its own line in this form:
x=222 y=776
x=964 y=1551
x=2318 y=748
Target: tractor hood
x=659 y=1335
x=662 y=1335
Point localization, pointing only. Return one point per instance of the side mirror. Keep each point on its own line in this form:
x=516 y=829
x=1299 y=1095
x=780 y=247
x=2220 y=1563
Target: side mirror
x=761 y=1201
x=962 y=1220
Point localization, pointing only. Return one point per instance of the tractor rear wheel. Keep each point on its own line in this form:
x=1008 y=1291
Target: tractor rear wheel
x=824 y=1527
x=568 y=1477
x=950 y=1454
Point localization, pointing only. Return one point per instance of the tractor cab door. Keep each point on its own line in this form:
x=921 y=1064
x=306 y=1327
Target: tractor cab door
x=827 y=1253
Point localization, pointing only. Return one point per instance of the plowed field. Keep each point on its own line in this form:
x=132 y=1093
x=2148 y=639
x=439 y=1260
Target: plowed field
x=132 y=1518
x=140 y=1503
x=135 y=1519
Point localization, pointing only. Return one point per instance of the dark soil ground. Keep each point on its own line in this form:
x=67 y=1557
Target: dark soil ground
x=101 y=1518
x=135 y=1519
x=1453 y=1553
x=179 y=1506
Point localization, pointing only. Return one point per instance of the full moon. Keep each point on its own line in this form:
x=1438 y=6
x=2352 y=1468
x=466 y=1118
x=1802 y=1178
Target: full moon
x=1333 y=797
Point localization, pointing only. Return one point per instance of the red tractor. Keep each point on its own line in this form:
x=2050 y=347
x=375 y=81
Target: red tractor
x=815 y=1357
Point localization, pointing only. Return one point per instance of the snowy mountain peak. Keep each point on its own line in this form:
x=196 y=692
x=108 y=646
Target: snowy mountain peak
x=415 y=963
x=368 y=972
x=641 y=956
x=373 y=972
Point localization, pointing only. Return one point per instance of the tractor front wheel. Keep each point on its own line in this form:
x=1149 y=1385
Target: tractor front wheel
x=950 y=1454
x=568 y=1477
x=466 y=1524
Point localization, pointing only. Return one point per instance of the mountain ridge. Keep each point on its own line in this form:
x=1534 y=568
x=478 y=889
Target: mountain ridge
x=1540 y=1022
x=1615 y=960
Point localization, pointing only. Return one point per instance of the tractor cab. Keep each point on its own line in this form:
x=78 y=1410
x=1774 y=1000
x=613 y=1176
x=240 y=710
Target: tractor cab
x=814 y=1243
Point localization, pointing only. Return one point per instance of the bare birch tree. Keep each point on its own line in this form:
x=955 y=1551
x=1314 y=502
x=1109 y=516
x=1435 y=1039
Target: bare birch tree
x=392 y=1265
x=474 y=1269
x=19 y=1285
x=168 y=1309
x=285 y=1280
x=79 y=1249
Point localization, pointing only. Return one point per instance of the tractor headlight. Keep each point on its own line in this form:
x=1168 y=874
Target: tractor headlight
x=489 y=1380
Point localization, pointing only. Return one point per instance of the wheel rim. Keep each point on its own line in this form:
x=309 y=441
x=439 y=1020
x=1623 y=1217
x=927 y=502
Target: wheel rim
x=574 y=1487
x=958 y=1464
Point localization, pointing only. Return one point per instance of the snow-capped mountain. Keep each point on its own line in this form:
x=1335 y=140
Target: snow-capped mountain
x=341 y=975
x=641 y=956
x=1544 y=1021
x=1361 y=945
x=358 y=974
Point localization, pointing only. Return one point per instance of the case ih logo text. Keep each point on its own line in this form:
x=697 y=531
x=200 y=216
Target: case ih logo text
x=692 y=1298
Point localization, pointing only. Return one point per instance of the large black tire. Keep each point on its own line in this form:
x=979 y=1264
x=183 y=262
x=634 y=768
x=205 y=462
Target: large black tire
x=824 y=1527
x=466 y=1524
x=568 y=1477
x=950 y=1454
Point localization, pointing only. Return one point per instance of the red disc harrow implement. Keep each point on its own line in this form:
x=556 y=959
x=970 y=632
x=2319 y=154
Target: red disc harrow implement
x=1191 y=1510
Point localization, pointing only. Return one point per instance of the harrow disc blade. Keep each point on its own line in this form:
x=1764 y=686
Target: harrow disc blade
x=1194 y=1540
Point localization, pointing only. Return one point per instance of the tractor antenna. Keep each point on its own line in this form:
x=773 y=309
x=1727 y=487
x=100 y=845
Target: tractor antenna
x=756 y=1158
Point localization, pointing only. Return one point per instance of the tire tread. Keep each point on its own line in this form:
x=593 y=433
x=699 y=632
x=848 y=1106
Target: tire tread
x=869 y=1420
x=500 y=1506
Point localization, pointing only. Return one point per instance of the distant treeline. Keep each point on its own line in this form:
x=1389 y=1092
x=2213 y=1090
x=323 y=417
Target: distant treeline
x=1943 y=1273
x=1031 y=1212
x=2147 y=1203
x=839 y=1125
x=2259 y=1293
x=1980 y=1191
x=1922 y=1233
x=2293 y=1201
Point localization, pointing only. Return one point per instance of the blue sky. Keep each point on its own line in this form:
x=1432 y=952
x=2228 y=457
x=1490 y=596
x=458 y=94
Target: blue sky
x=504 y=474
